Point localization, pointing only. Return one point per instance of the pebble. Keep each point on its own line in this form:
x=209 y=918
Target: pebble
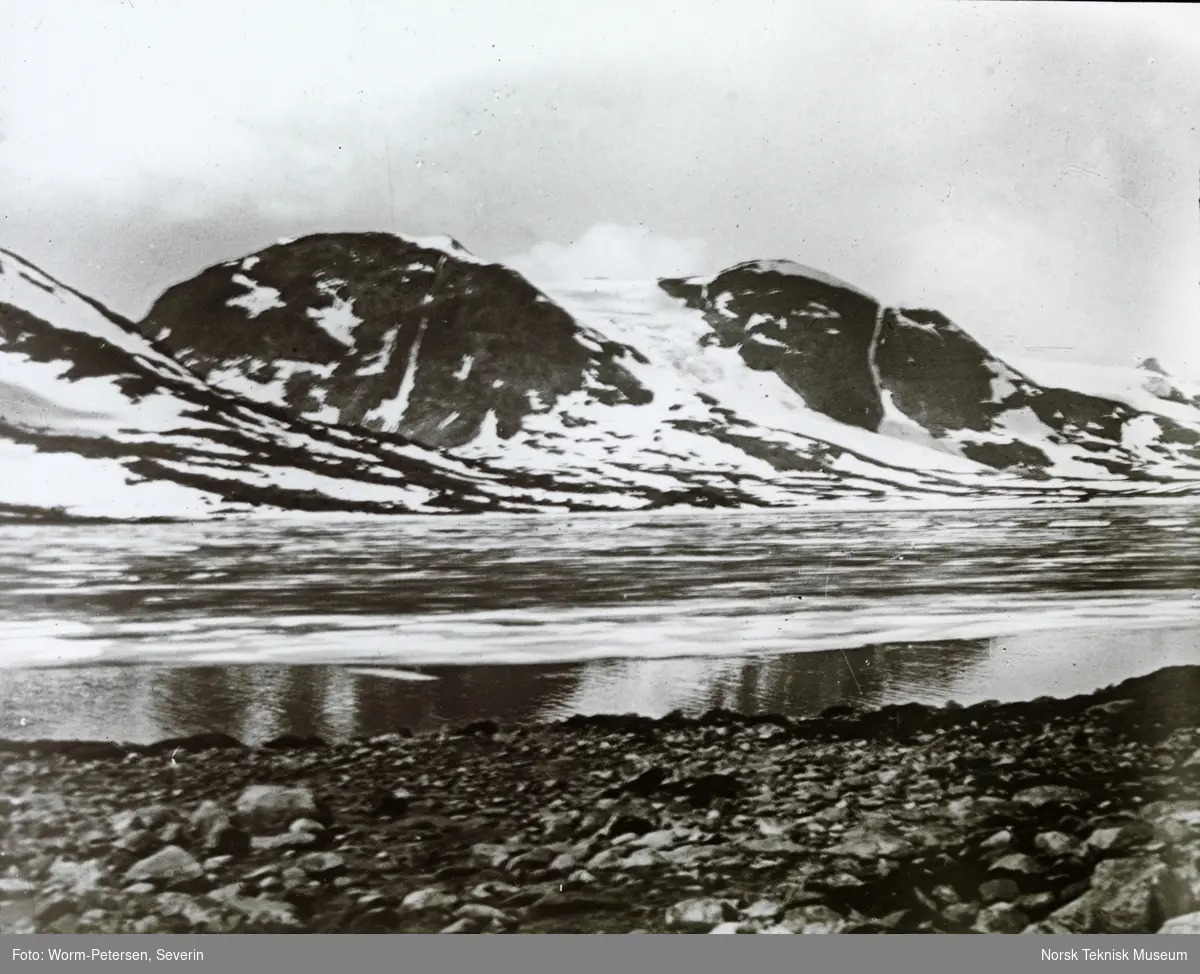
x=1046 y=794
x=490 y=854
x=642 y=859
x=658 y=839
x=1118 y=840
x=79 y=877
x=999 y=840
x=12 y=886
x=814 y=918
x=137 y=842
x=284 y=840
x=482 y=911
x=306 y=825
x=763 y=910
x=258 y=909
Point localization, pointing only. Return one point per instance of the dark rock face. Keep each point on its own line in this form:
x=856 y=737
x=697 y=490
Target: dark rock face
x=379 y=331
x=939 y=375
x=813 y=331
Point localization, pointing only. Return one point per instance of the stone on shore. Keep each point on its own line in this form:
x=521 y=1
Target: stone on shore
x=1188 y=923
x=699 y=914
x=999 y=818
x=171 y=868
x=266 y=809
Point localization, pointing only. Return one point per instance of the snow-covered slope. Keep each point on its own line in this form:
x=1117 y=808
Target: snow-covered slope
x=712 y=423
x=96 y=421
x=1145 y=388
x=986 y=409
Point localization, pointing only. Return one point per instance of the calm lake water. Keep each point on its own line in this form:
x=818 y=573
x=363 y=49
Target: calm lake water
x=361 y=626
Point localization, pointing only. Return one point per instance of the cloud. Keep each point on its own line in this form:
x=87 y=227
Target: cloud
x=1028 y=169
x=613 y=251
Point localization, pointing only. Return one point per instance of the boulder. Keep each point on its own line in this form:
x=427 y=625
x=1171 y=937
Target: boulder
x=1188 y=923
x=999 y=891
x=172 y=867
x=212 y=831
x=429 y=898
x=1056 y=844
x=699 y=914
x=814 y=918
x=267 y=809
x=1119 y=900
x=1000 y=918
x=1041 y=795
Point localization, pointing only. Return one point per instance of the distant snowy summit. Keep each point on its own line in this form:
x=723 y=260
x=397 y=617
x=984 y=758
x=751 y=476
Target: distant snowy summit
x=376 y=373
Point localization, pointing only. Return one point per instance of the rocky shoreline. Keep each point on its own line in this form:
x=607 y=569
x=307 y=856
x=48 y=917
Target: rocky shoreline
x=1079 y=815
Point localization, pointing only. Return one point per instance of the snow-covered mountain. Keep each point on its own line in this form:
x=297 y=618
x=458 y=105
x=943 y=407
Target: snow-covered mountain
x=767 y=383
x=914 y=374
x=96 y=421
x=373 y=373
x=375 y=330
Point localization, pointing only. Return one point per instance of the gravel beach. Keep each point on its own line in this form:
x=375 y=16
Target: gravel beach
x=1077 y=815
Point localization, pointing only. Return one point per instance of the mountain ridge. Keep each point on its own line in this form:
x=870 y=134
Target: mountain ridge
x=766 y=384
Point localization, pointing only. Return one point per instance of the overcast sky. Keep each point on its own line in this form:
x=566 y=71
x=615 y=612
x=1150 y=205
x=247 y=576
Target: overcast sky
x=1029 y=169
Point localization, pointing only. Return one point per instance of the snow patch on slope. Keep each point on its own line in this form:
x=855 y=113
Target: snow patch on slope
x=377 y=362
x=257 y=299
x=338 y=319
x=88 y=487
x=464 y=369
x=667 y=332
x=391 y=412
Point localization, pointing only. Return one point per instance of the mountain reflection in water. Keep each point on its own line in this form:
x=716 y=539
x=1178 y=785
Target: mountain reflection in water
x=362 y=627
x=255 y=703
